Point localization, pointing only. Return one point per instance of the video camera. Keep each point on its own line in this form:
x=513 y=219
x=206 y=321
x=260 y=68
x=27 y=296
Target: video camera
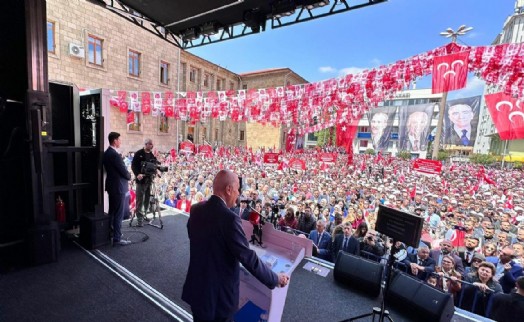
x=149 y=168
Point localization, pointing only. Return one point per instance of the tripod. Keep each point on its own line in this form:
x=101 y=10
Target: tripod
x=381 y=311
x=154 y=207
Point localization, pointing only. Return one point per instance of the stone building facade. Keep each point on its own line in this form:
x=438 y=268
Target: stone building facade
x=91 y=47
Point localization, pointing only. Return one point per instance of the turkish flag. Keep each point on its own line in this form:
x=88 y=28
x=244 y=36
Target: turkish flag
x=345 y=134
x=450 y=72
x=291 y=140
x=507 y=114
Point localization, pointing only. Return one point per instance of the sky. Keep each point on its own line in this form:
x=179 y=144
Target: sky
x=364 y=38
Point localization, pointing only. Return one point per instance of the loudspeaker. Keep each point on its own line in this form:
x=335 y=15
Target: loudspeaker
x=43 y=244
x=419 y=299
x=358 y=272
x=94 y=231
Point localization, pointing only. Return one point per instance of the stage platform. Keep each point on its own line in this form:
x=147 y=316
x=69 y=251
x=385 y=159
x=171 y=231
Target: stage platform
x=143 y=282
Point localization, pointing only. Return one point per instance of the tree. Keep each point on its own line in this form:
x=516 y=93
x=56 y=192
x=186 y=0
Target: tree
x=405 y=155
x=323 y=137
x=370 y=151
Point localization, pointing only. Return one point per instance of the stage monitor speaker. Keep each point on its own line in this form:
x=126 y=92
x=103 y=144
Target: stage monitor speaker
x=94 y=231
x=418 y=299
x=43 y=244
x=358 y=272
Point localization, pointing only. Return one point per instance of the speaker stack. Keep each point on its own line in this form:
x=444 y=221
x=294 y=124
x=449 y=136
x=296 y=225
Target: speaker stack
x=358 y=272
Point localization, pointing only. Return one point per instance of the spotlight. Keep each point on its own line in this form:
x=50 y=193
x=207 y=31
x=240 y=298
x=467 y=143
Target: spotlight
x=312 y=4
x=210 y=28
x=255 y=19
x=282 y=8
x=190 y=34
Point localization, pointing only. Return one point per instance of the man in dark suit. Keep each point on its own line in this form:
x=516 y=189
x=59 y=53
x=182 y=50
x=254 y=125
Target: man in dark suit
x=117 y=179
x=507 y=271
x=420 y=264
x=243 y=210
x=508 y=307
x=217 y=244
x=461 y=130
x=472 y=242
x=346 y=242
x=446 y=248
x=321 y=241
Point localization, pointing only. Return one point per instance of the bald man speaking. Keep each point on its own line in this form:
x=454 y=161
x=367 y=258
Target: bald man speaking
x=217 y=246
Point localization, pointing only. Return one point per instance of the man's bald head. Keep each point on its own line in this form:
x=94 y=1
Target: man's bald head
x=226 y=186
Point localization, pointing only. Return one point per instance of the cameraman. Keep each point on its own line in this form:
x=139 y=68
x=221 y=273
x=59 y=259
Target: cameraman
x=374 y=245
x=143 y=182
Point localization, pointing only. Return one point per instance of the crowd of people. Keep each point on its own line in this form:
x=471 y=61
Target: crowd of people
x=472 y=242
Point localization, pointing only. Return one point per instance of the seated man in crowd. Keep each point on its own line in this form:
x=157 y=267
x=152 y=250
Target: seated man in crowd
x=420 y=264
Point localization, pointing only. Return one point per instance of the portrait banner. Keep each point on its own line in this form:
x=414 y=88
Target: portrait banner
x=380 y=126
x=414 y=123
x=461 y=121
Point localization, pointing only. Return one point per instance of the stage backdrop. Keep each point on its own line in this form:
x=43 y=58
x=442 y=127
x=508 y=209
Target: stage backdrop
x=461 y=121
x=414 y=123
x=380 y=126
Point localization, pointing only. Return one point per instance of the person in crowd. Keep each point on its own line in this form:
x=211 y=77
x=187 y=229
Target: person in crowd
x=507 y=307
x=183 y=204
x=171 y=200
x=243 y=210
x=306 y=221
x=361 y=231
x=330 y=227
x=518 y=250
x=116 y=185
x=472 y=243
x=143 y=180
x=321 y=241
x=449 y=278
x=475 y=262
x=507 y=271
x=346 y=242
x=218 y=246
x=372 y=245
x=446 y=248
x=420 y=264
x=289 y=220
x=482 y=287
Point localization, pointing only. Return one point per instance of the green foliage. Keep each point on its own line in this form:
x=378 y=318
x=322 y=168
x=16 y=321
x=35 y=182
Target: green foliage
x=442 y=155
x=518 y=165
x=483 y=158
x=324 y=135
x=370 y=151
x=405 y=155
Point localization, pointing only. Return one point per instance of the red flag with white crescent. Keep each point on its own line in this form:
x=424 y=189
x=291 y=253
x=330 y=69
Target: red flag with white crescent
x=507 y=114
x=450 y=72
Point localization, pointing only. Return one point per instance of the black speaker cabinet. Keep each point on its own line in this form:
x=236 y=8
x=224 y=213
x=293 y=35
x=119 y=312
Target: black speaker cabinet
x=43 y=244
x=419 y=299
x=358 y=272
x=94 y=230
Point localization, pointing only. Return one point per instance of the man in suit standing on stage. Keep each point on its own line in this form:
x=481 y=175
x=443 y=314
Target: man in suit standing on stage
x=217 y=245
x=321 y=241
x=346 y=242
x=117 y=179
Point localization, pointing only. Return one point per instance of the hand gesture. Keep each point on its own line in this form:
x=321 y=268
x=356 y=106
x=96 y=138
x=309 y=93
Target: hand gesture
x=283 y=279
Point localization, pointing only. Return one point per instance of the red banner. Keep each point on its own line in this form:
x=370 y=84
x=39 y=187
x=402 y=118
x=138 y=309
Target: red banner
x=206 y=149
x=327 y=157
x=427 y=166
x=450 y=72
x=507 y=115
x=271 y=158
x=297 y=164
x=291 y=140
x=187 y=147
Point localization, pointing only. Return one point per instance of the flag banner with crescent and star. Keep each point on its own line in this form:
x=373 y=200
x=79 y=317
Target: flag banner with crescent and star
x=450 y=72
x=507 y=114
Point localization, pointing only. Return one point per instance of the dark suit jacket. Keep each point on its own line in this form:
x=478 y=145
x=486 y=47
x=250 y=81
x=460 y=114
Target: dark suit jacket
x=324 y=246
x=428 y=263
x=451 y=136
x=435 y=254
x=507 y=307
x=244 y=215
x=352 y=248
x=217 y=244
x=462 y=256
x=117 y=176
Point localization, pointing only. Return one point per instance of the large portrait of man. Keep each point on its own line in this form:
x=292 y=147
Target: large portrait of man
x=461 y=121
x=380 y=125
x=414 y=123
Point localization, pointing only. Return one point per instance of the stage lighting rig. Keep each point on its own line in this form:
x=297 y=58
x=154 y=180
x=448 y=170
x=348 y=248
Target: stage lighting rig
x=282 y=8
x=210 y=28
x=312 y=4
x=255 y=19
x=190 y=34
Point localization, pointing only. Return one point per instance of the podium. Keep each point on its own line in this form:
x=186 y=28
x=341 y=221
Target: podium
x=282 y=252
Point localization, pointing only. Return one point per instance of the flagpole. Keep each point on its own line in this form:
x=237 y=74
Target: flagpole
x=504 y=154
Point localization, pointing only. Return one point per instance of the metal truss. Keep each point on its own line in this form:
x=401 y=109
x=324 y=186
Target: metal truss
x=140 y=20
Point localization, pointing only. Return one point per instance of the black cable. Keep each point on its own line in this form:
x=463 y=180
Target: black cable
x=127 y=232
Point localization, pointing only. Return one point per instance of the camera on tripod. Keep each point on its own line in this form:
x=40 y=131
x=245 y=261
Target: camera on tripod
x=149 y=168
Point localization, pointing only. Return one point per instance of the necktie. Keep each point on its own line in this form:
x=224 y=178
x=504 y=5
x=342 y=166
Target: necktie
x=415 y=147
x=345 y=247
x=464 y=138
x=319 y=238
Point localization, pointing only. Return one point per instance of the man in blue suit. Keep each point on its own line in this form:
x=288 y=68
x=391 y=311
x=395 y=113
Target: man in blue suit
x=117 y=179
x=507 y=271
x=217 y=244
x=321 y=241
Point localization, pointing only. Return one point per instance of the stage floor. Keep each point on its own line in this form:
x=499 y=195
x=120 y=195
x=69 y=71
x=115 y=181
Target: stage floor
x=143 y=282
